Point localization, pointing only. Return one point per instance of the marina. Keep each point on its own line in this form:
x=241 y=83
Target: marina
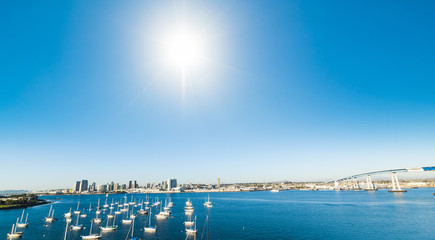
x=248 y=215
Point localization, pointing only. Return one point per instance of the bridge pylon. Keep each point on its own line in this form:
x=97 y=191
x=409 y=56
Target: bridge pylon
x=395 y=184
x=370 y=185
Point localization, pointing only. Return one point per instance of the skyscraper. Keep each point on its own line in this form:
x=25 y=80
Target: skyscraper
x=218 y=183
x=135 y=184
x=83 y=186
x=130 y=184
x=76 y=186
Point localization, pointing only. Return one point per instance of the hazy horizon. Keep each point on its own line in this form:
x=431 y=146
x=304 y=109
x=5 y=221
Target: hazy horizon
x=260 y=91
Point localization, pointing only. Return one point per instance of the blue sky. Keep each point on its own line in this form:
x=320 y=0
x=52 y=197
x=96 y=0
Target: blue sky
x=296 y=90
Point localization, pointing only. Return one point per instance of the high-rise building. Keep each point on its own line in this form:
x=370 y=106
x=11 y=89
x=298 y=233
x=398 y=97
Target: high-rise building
x=164 y=185
x=76 y=186
x=172 y=183
x=135 y=185
x=218 y=183
x=101 y=188
x=83 y=186
x=130 y=184
x=115 y=187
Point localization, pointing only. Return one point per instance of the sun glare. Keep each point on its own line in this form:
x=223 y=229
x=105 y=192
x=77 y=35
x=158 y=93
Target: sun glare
x=184 y=48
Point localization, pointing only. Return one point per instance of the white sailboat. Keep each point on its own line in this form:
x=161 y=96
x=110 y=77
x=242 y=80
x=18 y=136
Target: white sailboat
x=105 y=203
x=161 y=214
x=50 y=216
x=14 y=233
x=90 y=207
x=91 y=235
x=77 y=226
x=22 y=224
x=192 y=230
x=98 y=205
x=97 y=219
x=77 y=211
x=128 y=220
x=150 y=229
x=108 y=228
x=68 y=214
x=207 y=203
x=188 y=203
x=189 y=222
x=83 y=215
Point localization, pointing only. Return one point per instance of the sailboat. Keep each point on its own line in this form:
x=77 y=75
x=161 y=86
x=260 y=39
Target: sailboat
x=170 y=204
x=161 y=214
x=147 y=201
x=118 y=211
x=77 y=211
x=150 y=228
x=50 y=215
x=110 y=215
x=111 y=205
x=68 y=214
x=14 y=233
x=189 y=222
x=132 y=215
x=77 y=226
x=84 y=214
x=21 y=223
x=108 y=228
x=192 y=230
x=90 y=207
x=105 y=203
x=207 y=203
x=188 y=203
x=98 y=205
x=141 y=210
x=92 y=235
x=97 y=219
x=128 y=220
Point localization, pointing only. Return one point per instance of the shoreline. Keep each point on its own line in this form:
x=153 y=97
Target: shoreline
x=40 y=202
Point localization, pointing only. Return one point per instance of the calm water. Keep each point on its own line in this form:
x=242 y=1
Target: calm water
x=260 y=215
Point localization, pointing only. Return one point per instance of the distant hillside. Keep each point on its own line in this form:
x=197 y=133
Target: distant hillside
x=9 y=192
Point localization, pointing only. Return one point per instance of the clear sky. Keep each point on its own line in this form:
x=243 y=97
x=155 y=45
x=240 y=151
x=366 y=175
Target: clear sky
x=286 y=90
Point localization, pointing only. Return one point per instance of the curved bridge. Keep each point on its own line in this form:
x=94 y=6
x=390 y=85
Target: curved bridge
x=353 y=184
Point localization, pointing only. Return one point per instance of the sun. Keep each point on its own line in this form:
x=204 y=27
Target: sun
x=184 y=48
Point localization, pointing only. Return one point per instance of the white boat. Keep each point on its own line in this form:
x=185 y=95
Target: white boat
x=188 y=203
x=127 y=220
x=274 y=190
x=83 y=215
x=90 y=207
x=22 y=224
x=14 y=233
x=68 y=214
x=108 y=228
x=68 y=220
x=92 y=235
x=150 y=229
x=105 y=203
x=110 y=215
x=50 y=216
x=207 y=202
x=118 y=211
x=77 y=226
x=189 y=222
x=192 y=230
x=98 y=204
x=77 y=211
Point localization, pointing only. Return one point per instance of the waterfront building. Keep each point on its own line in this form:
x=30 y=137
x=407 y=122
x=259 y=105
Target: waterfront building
x=83 y=186
x=76 y=186
x=218 y=183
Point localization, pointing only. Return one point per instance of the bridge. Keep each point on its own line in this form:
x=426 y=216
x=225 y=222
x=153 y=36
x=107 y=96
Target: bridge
x=351 y=182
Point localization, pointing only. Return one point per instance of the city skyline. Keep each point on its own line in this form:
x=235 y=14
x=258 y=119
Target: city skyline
x=289 y=90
